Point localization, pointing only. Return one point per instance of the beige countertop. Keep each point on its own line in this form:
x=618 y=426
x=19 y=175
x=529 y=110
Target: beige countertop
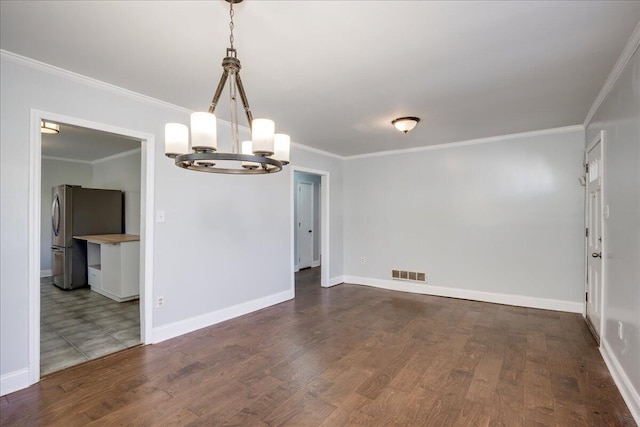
x=109 y=238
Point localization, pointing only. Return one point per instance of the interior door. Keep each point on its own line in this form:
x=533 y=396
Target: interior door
x=305 y=224
x=594 y=236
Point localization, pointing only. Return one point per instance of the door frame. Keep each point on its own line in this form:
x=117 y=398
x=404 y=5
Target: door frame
x=297 y=268
x=146 y=225
x=599 y=138
x=325 y=238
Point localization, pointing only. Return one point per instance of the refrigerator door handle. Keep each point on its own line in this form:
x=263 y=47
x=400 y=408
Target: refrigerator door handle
x=55 y=215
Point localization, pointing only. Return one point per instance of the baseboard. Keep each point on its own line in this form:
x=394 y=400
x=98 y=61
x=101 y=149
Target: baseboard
x=315 y=264
x=508 y=299
x=335 y=281
x=628 y=392
x=296 y=268
x=172 y=330
x=46 y=273
x=113 y=296
x=14 y=381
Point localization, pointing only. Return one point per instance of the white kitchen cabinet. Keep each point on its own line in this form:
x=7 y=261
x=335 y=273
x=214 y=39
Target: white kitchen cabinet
x=114 y=265
x=95 y=275
x=120 y=270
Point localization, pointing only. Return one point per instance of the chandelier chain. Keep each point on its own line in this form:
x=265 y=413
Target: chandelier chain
x=231 y=13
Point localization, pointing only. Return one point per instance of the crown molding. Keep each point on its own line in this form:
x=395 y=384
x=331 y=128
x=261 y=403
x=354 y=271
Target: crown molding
x=117 y=156
x=316 y=150
x=626 y=55
x=93 y=162
x=62 y=159
x=80 y=78
x=499 y=138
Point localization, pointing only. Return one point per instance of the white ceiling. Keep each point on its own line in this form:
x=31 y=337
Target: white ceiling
x=334 y=74
x=76 y=143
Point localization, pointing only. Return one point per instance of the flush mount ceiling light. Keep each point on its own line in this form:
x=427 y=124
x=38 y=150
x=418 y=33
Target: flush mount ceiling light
x=48 y=127
x=405 y=124
x=266 y=152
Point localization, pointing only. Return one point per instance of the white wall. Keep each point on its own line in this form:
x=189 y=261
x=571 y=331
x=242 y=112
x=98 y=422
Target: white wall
x=503 y=217
x=619 y=117
x=122 y=172
x=317 y=232
x=225 y=246
x=57 y=172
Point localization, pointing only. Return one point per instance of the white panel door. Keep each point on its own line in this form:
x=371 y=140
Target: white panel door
x=305 y=224
x=594 y=237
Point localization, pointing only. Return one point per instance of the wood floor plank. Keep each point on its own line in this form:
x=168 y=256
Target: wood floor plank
x=473 y=413
x=417 y=408
x=344 y=356
x=256 y=410
x=409 y=376
x=382 y=410
x=485 y=380
x=344 y=385
x=378 y=381
x=302 y=408
x=508 y=405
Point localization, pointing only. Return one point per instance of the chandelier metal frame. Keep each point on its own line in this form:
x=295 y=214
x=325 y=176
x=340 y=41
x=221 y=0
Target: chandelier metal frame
x=203 y=159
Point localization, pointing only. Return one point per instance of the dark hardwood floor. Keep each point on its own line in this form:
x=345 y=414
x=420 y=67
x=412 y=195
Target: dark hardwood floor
x=348 y=355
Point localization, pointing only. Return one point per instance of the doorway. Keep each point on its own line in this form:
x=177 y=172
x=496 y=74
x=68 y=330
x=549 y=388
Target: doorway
x=89 y=308
x=595 y=214
x=310 y=228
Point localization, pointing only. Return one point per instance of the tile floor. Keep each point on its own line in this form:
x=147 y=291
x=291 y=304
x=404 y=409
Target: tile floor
x=81 y=325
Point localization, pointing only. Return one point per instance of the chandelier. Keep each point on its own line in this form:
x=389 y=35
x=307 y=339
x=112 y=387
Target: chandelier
x=266 y=152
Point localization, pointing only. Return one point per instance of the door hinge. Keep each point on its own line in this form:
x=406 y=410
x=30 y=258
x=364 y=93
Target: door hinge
x=587 y=232
x=586 y=167
x=586 y=296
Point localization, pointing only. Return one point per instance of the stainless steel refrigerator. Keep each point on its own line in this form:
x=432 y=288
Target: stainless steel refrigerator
x=77 y=211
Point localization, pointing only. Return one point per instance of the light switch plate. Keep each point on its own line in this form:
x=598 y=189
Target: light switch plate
x=160 y=216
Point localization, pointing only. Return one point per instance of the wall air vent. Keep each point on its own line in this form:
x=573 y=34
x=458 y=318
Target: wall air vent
x=412 y=276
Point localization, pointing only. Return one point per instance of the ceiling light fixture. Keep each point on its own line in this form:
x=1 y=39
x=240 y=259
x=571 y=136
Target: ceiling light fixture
x=405 y=124
x=266 y=152
x=48 y=127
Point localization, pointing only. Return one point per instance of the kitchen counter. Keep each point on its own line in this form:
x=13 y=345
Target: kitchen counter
x=109 y=238
x=113 y=265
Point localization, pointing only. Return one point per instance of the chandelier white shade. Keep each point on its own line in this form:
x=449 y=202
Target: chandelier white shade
x=176 y=139
x=405 y=124
x=262 y=133
x=266 y=152
x=203 y=132
x=247 y=148
x=282 y=145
